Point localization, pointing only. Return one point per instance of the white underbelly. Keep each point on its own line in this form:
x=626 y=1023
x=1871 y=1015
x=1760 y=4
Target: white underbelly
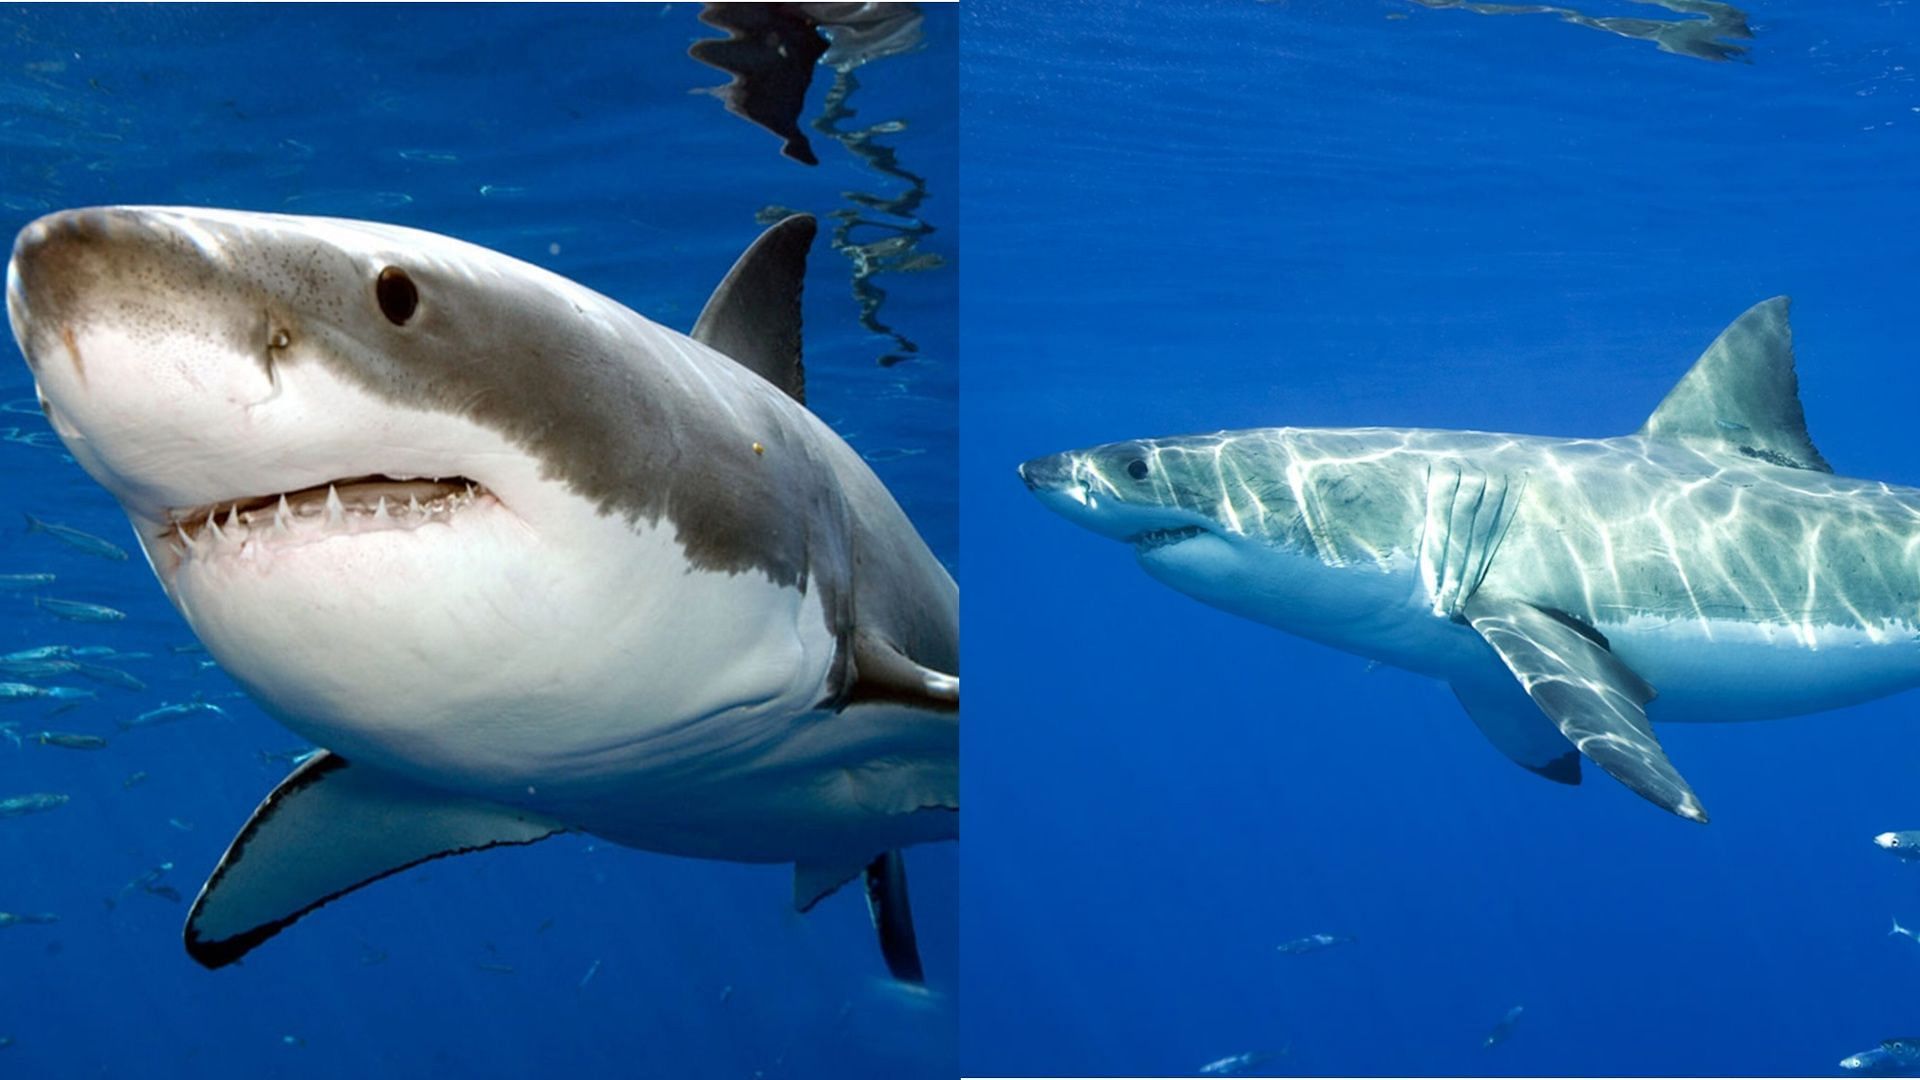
x=1724 y=670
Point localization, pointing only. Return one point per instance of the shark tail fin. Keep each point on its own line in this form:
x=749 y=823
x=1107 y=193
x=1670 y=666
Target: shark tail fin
x=1898 y=929
x=34 y=524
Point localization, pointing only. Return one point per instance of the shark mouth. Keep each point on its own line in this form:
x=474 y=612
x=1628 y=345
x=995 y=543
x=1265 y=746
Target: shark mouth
x=1153 y=539
x=361 y=504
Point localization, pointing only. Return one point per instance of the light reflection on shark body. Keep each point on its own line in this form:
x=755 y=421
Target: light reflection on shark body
x=1709 y=567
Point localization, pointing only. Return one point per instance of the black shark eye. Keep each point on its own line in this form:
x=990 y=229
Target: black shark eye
x=398 y=298
x=1137 y=469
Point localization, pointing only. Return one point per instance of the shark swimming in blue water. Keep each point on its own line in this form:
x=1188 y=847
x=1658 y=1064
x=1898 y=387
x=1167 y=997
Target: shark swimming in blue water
x=1708 y=567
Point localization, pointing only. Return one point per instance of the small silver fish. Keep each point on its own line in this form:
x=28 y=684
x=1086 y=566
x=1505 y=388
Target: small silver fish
x=588 y=977
x=1502 y=1030
x=134 y=779
x=17 y=582
x=37 y=669
x=77 y=540
x=43 y=652
x=42 y=919
x=150 y=884
x=70 y=741
x=168 y=713
x=295 y=756
x=1313 y=943
x=36 y=803
x=1238 y=1063
x=109 y=676
x=13 y=691
x=78 y=610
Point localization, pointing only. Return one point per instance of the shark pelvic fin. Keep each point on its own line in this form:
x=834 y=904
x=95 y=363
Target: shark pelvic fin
x=814 y=882
x=893 y=917
x=1517 y=728
x=1742 y=395
x=1597 y=702
x=886 y=882
x=754 y=316
x=329 y=828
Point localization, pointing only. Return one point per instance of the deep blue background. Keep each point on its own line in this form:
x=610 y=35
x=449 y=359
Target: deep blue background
x=1188 y=217
x=519 y=128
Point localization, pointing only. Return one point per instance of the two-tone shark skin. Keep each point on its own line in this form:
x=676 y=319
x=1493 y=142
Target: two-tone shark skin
x=1708 y=567
x=522 y=560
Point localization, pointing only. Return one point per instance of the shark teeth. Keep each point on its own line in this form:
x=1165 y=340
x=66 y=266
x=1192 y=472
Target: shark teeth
x=343 y=506
x=1159 y=538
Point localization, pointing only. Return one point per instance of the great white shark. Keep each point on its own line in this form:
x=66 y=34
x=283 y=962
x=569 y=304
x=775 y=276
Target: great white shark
x=1708 y=567
x=520 y=559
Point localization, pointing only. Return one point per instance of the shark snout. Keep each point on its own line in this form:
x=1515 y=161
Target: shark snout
x=1047 y=473
x=1076 y=486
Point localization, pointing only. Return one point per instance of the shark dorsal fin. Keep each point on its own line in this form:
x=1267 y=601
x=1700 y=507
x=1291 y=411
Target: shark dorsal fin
x=1742 y=395
x=754 y=316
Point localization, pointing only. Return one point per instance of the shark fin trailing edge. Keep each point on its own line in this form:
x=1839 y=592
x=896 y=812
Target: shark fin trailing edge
x=1742 y=395
x=1596 y=701
x=886 y=887
x=753 y=317
x=814 y=882
x=329 y=828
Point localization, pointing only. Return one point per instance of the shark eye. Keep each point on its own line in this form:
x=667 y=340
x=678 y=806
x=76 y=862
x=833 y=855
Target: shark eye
x=1137 y=469
x=398 y=298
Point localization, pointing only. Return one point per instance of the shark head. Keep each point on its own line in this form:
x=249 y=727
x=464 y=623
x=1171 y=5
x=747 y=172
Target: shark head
x=1259 y=522
x=397 y=483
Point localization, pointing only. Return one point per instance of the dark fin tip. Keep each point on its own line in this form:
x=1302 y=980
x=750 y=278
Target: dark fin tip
x=1564 y=769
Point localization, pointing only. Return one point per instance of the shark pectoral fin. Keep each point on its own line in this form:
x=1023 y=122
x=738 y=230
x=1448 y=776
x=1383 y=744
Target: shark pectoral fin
x=882 y=673
x=893 y=917
x=1597 y=702
x=1517 y=728
x=754 y=316
x=1742 y=395
x=329 y=828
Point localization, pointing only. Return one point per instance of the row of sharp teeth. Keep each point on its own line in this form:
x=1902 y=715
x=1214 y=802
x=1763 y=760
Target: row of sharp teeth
x=194 y=532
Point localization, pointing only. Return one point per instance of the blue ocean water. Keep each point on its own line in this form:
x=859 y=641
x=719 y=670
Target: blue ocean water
x=569 y=136
x=1192 y=217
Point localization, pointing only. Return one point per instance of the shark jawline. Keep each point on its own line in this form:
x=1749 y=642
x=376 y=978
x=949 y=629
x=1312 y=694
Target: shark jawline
x=376 y=500
x=1154 y=539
